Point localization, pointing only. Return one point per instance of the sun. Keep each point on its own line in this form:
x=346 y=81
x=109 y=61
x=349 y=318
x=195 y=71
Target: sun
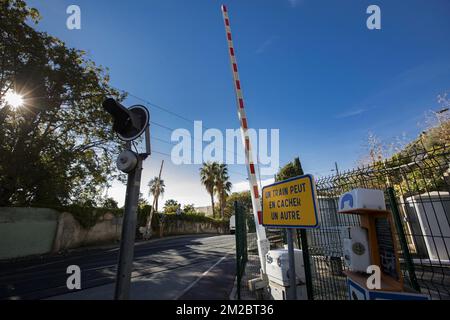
x=15 y=100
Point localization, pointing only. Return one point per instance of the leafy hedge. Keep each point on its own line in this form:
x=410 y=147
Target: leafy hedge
x=196 y=217
x=88 y=217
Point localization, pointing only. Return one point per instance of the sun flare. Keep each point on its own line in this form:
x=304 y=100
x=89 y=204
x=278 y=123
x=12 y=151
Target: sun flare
x=15 y=100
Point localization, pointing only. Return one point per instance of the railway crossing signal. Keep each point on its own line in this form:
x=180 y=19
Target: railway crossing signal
x=129 y=124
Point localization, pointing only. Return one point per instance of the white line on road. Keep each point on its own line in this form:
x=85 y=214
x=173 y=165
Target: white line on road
x=199 y=278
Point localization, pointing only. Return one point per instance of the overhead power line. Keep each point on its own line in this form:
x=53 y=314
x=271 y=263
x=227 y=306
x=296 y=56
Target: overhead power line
x=168 y=155
x=151 y=104
x=154 y=105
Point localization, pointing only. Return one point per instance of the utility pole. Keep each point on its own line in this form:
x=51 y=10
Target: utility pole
x=337 y=169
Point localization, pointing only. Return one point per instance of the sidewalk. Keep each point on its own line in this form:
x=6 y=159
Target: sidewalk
x=252 y=271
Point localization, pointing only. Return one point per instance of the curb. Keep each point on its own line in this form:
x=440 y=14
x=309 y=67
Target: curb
x=233 y=293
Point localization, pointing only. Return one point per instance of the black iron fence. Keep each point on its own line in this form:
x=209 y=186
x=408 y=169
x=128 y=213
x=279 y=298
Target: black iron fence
x=417 y=189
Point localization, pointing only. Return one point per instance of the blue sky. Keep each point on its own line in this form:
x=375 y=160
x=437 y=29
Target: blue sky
x=309 y=68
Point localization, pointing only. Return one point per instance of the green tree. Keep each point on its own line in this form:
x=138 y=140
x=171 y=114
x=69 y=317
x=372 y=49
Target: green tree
x=290 y=170
x=208 y=174
x=222 y=186
x=58 y=146
x=189 y=209
x=243 y=197
x=157 y=188
x=110 y=203
x=171 y=203
x=171 y=206
x=142 y=202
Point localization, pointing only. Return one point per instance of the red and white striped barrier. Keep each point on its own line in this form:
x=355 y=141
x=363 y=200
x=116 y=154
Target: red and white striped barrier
x=263 y=245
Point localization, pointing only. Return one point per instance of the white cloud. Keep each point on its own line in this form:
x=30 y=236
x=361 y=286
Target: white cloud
x=265 y=45
x=244 y=185
x=356 y=112
x=351 y=113
x=295 y=3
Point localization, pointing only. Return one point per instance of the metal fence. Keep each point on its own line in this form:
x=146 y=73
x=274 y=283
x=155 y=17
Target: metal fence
x=241 y=244
x=417 y=189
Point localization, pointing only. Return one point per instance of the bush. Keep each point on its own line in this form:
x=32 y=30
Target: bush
x=196 y=217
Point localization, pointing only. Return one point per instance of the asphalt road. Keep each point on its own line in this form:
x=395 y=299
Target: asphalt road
x=187 y=267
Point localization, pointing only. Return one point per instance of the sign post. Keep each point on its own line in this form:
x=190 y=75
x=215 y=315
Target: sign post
x=291 y=204
x=292 y=275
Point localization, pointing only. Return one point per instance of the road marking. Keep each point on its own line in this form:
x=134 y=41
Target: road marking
x=200 y=277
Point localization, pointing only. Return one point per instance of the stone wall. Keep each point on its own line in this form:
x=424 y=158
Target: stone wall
x=34 y=231
x=177 y=227
x=25 y=231
x=70 y=234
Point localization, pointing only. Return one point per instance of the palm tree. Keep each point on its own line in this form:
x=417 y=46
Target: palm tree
x=208 y=175
x=157 y=187
x=222 y=186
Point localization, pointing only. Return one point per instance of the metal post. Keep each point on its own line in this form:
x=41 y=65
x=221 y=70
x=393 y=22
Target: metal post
x=306 y=262
x=337 y=169
x=299 y=241
x=402 y=238
x=126 y=255
x=292 y=275
x=238 y=248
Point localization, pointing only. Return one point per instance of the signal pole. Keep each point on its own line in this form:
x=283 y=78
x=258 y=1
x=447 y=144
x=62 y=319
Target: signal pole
x=129 y=124
x=126 y=255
